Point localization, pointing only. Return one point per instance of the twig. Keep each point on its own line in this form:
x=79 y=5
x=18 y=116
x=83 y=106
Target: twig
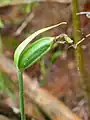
x=24 y=24
x=88 y=35
x=79 y=42
x=54 y=108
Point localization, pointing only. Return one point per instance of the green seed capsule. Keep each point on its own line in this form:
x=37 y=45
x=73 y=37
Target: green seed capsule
x=34 y=52
x=25 y=55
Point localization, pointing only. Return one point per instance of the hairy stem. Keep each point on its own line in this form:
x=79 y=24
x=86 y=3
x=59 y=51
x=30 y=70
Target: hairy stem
x=85 y=79
x=21 y=92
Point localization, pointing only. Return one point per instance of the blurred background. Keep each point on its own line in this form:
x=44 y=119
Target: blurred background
x=56 y=71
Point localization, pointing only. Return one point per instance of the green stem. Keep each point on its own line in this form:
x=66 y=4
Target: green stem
x=85 y=79
x=21 y=90
x=1 y=45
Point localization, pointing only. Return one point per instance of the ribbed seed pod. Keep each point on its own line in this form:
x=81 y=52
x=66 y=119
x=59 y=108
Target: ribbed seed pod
x=34 y=52
x=24 y=47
